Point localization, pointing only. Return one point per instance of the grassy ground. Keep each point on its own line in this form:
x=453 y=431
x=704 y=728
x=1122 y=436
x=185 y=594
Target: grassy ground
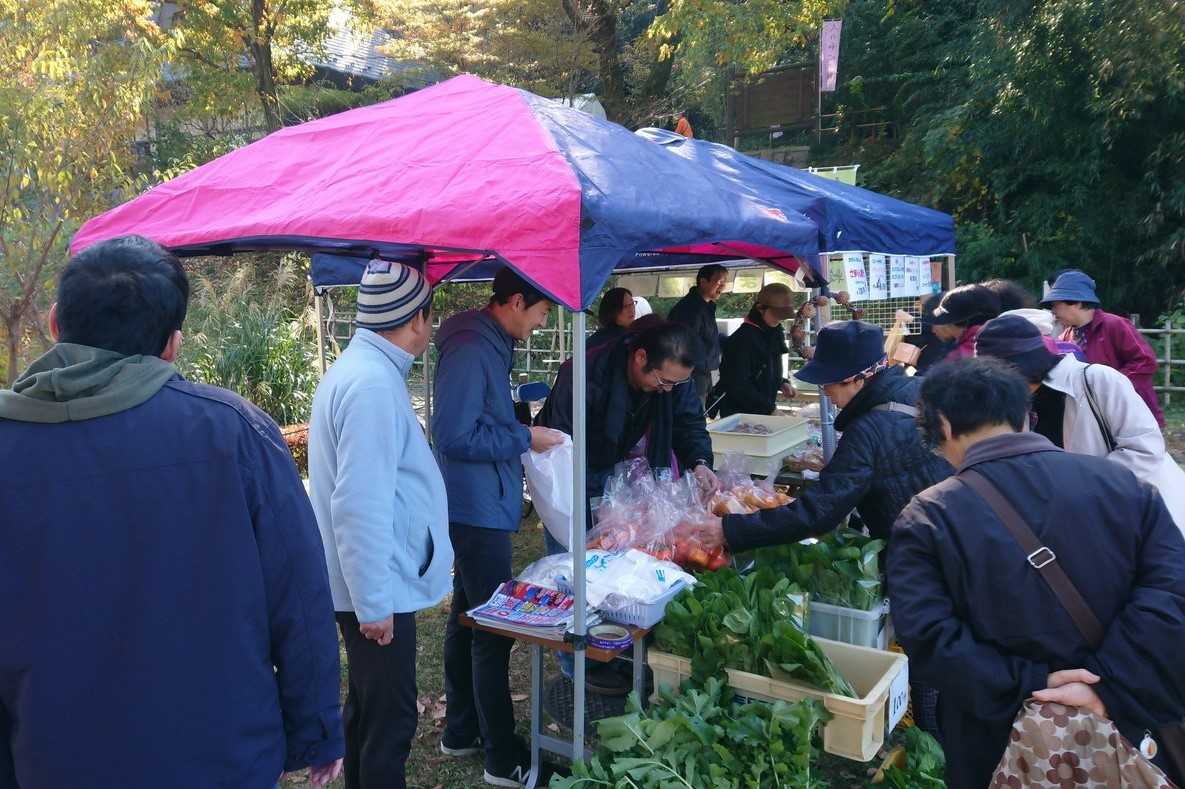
x=427 y=767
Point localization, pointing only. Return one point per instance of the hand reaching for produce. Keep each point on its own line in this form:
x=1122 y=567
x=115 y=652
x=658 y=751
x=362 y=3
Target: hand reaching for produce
x=704 y=530
x=706 y=480
x=544 y=438
x=325 y=774
x=788 y=391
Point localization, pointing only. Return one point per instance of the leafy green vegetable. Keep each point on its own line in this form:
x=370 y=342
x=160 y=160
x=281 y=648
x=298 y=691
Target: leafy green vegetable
x=925 y=763
x=752 y=623
x=701 y=738
x=842 y=568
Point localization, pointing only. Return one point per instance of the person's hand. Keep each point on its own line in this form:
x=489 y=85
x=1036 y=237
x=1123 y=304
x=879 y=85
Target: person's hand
x=544 y=438
x=788 y=391
x=706 y=480
x=324 y=774
x=706 y=530
x=808 y=352
x=380 y=632
x=1073 y=689
x=1065 y=677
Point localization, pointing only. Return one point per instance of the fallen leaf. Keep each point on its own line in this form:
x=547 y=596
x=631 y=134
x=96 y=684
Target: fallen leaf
x=553 y=727
x=517 y=697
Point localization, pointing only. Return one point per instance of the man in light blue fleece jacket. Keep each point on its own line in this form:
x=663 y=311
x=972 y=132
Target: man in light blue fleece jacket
x=383 y=513
x=478 y=443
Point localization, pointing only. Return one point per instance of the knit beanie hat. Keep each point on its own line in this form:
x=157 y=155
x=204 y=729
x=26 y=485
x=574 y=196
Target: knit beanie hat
x=1018 y=342
x=390 y=295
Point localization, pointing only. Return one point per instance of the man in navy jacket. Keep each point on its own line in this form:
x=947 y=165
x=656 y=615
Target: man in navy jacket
x=983 y=626
x=479 y=443
x=163 y=592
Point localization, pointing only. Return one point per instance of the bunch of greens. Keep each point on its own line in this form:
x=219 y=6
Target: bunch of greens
x=842 y=568
x=752 y=623
x=918 y=763
x=701 y=738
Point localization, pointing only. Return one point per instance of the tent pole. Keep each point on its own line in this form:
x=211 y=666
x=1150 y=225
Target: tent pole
x=826 y=420
x=320 y=317
x=579 y=440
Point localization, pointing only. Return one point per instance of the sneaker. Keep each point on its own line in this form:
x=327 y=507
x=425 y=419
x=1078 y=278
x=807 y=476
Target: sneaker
x=514 y=777
x=473 y=748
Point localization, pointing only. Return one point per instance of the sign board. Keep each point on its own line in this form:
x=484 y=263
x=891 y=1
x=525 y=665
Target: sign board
x=878 y=277
x=857 y=276
x=898 y=699
x=837 y=277
x=898 y=278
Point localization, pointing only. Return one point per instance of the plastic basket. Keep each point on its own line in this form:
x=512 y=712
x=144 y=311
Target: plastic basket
x=857 y=727
x=643 y=614
x=850 y=625
x=785 y=432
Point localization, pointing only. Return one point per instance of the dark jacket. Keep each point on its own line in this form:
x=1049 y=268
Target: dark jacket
x=700 y=316
x=164 y=600
x=984 y=628
x=879 y=465
x=478 y=439
x=751 y=367
x=604 y=336
x=676 y=425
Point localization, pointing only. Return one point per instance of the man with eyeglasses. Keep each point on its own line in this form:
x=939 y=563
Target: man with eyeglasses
x=642 y=402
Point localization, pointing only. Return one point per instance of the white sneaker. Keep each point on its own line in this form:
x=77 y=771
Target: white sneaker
x=472 y=749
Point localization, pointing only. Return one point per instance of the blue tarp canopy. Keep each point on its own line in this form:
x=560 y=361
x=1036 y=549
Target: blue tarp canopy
x=850 y=219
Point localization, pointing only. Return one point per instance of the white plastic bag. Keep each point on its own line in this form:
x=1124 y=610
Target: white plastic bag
x=612 y=580
x=549 y=480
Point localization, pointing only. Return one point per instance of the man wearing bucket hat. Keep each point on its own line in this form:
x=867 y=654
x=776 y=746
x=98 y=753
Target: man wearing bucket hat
x=381 y=506
x=960 y=315
x=1104 y=338
x=880 y=462
x=751 y=367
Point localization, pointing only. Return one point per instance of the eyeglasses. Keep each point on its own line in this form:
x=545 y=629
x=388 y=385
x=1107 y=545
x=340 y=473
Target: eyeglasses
x=665 y=384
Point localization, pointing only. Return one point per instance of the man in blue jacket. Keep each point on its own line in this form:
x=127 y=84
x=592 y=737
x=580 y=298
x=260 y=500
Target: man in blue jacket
x=381 y=506
x=163 y=591
x=479 y=443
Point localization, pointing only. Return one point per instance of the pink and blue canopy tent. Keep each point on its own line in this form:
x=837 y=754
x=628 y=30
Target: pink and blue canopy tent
x=461 y=173
x=465 y=174
x=849 y=218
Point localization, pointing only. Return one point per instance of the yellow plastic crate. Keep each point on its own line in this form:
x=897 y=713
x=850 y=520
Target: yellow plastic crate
x=857 y=727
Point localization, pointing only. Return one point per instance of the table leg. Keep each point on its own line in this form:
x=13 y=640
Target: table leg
x=536 y=715
x=640 y=670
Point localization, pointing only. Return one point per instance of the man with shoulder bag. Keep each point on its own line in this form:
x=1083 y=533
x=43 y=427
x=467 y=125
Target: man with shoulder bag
x=1045 y=599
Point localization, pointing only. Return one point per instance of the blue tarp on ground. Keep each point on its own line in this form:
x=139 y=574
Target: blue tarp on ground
x=849 y=218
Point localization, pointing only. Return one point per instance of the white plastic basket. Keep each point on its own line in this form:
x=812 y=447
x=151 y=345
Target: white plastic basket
x=850 y=625
x=643 y=614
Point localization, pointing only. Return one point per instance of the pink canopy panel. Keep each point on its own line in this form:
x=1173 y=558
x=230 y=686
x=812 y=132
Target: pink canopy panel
x=459 y=172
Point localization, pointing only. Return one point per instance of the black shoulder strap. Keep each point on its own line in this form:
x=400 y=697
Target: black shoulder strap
x=1040 y=557
x=1104 y=428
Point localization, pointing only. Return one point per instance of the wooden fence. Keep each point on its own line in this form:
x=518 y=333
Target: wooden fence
x=1164 y=343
